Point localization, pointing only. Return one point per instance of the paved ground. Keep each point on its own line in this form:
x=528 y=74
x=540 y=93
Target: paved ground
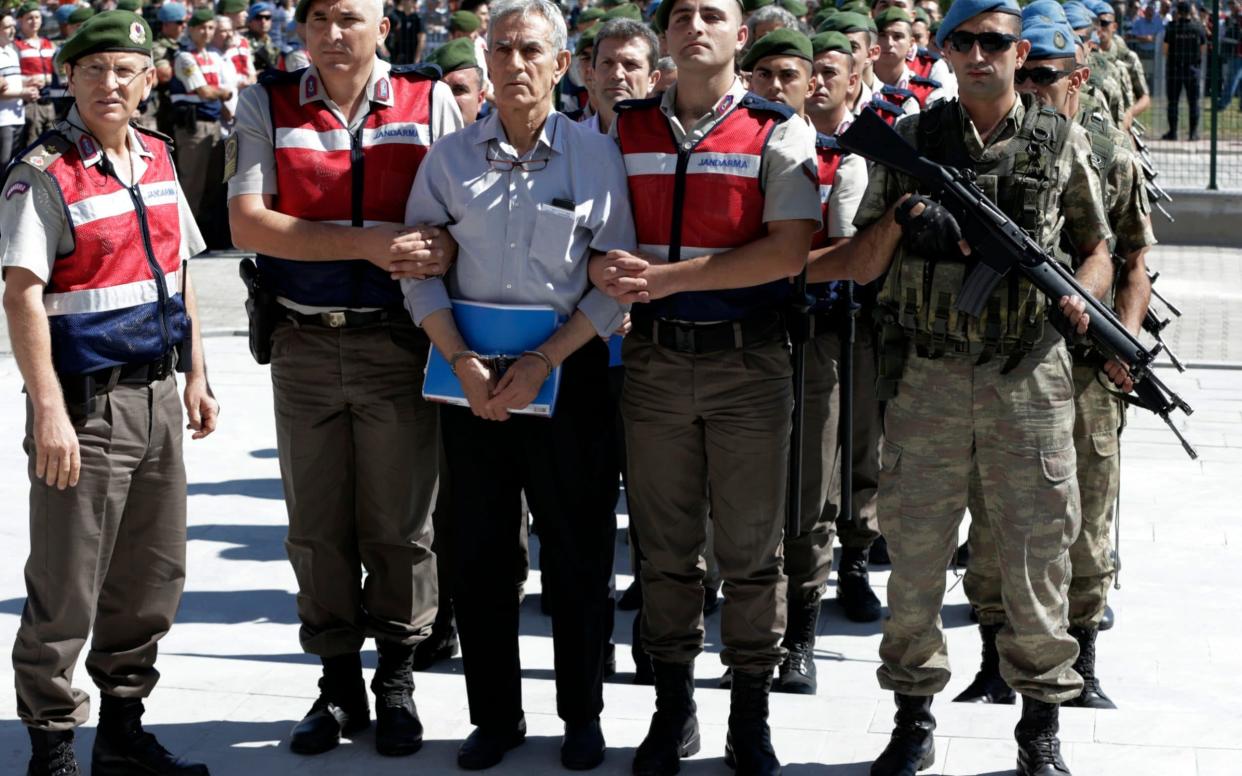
x=235 y=682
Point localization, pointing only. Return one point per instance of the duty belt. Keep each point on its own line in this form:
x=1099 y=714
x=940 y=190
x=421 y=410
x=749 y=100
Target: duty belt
x=686 y=337
x=134 y=374
x=345 y=319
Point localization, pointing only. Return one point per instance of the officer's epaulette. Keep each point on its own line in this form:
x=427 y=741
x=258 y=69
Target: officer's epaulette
x=152 y=132
x=897 y=91
x=273 y=77
x=46 y=148
x=424 y=69
x=925 y=53
x=925 y=81
x=826 y=141
x=646 y=102
x=885 y=106
x=752 y=101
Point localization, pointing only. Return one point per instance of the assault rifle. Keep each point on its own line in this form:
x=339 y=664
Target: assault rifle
x=1155 y=192
x=1000 y=246
x=798 y=325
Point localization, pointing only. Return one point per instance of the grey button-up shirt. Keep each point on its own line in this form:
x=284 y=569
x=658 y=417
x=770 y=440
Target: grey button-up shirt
x=524 y=237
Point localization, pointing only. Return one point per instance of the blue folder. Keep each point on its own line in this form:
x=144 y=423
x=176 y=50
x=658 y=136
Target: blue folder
x=496 y=330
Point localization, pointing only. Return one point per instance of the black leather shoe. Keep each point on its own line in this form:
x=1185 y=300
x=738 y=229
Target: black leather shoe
x=440 y=645
x=123 y=748
x=854 y=592
x=988 y=686
x=1108 y=620
x=583 y=746
x=398 y=730
x=912 y=747
x=1170 y=135
x=51 y=753
x=341 y=709
x=486 y=747
x=1039 y=749
x=674 y=731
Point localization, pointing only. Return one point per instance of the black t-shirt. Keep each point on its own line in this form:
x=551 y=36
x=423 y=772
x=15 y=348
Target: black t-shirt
x=1184 y=37
x=403 y=35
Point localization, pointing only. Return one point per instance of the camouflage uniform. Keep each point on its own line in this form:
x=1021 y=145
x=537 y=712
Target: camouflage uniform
x=1098 y=415
x=1008 y=421
x=158 y=112
x=264 y=50
x=1125 y=59
x=1104 y=78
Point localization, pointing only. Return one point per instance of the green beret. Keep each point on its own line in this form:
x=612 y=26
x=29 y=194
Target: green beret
x=795 y=7
x=585 y=41
x=891 y=15
x=129 y=5
x=107 y=31
x=80 y=15
x=591 y=15
x=624 y=11
x=921 y=15
x=822 y=15
x=231 y=6
x=847 y=22
x=454 y=55
x=464 y=21
x=857 y=7
x=26 y=8
x=780 y=42
x=659 y=22
x=831 y=41
x=202 y=16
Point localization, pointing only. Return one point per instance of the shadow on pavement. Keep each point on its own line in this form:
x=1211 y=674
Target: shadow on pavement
x=234 y=606
x=266 y=452
x=254 y=542
x=264 y=487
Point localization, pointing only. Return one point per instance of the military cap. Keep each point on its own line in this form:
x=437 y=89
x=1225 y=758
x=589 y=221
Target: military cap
x=585 y=41
x=830 y=41
x=963 y=11
x=822 y=15
x=1049 y=41
x=1045 y=11
x=848 y=21
x=454 y=55
x=107 y=31
x=62 y=14
x=202 y=16
x=591 y=15
x=779 y=42
x=80 y=15
x=258 y=8
x=920 y=15
x=857 y=7
x=129 y=5
x=795 y=7
x=172 y=12
x=231 y=6
x=891 y=15
x=26 y=8
x=624 y=11
x=665 y=9
x=1099 y=7
x=464 y=21
x=1078 y=16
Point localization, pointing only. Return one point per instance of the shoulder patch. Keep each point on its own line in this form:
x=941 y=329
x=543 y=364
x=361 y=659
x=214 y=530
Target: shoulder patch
x=895 y=91
x=49 y=147
x=928 y=54
x=826 y=141
x=16 y=189
x=424 y=70
x=925 y=81
x=230 y=157
x=886 y=106
x=754 y=102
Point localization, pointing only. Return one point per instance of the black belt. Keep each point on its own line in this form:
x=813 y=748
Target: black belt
x=346 y=319
x=710 y=337
x=133 y=374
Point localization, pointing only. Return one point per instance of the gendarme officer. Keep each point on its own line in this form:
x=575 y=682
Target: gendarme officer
x=322 y=164
x=94 y=232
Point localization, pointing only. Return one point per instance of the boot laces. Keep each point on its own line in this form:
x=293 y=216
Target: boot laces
x=62 y=761
x=1045 y=750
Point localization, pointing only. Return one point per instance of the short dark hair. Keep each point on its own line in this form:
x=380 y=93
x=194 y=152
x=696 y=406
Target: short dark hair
x=628 y=29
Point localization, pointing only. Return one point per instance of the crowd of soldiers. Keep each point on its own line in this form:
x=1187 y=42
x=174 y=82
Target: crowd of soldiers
x=667 y=186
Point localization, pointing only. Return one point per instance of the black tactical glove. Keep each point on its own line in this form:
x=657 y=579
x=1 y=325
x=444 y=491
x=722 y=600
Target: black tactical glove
x=934 y=233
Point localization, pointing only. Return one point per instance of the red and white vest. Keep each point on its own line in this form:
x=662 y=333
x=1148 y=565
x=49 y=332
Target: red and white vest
x=326 y=173
x=37 y=57
x=828 y=156
x=704 y=200
x=241 y=57
x=116 y=297
x=922 y=62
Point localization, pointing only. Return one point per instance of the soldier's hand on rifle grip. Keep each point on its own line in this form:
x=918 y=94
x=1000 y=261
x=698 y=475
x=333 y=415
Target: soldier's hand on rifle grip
x=930 y=229
x=1075 y=310
x=1119 y=375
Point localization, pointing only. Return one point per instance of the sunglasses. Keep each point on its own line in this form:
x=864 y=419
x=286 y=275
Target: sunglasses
x=264 y=17
x=1040 y=76
x=989 y=42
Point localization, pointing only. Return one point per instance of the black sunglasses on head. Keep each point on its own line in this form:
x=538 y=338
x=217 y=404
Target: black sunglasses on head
x=989 y=42
x=1040 y=76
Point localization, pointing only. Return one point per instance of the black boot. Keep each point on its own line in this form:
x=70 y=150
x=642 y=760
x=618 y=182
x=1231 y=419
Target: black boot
x=797 y=672
x=854 y=587
x=1108 y=620
x=123 y=748
x=1091 y=697
x=748 y=744
x=912 y=746
x=674 y=731
x=340 y=709
x=1039 y=750
x=398 y=730
x=51 y=753
x=988 y=686
x=878 y=554
x=441 y=644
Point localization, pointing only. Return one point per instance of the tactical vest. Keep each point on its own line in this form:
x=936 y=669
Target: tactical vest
x=923 y=62
x=326 y=172
x=116 y=297
x=922 y=88
x=36 y=58
x=1022 y=178
x=828 y=155
x=696 y=200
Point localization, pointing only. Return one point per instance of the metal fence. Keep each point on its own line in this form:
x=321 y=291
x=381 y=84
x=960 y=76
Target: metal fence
x=1194 y=124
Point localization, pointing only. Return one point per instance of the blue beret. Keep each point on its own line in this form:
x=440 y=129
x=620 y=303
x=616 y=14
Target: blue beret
x=172 y=12
x=1099 y=7
x=1046 y=11
x=259 y=8
x=964 y=10
x=1078 y=15
x=62 y=14
x=1049 y=41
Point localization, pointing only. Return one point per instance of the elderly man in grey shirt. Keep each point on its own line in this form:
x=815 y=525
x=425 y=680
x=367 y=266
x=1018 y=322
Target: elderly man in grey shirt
x=529 y=196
